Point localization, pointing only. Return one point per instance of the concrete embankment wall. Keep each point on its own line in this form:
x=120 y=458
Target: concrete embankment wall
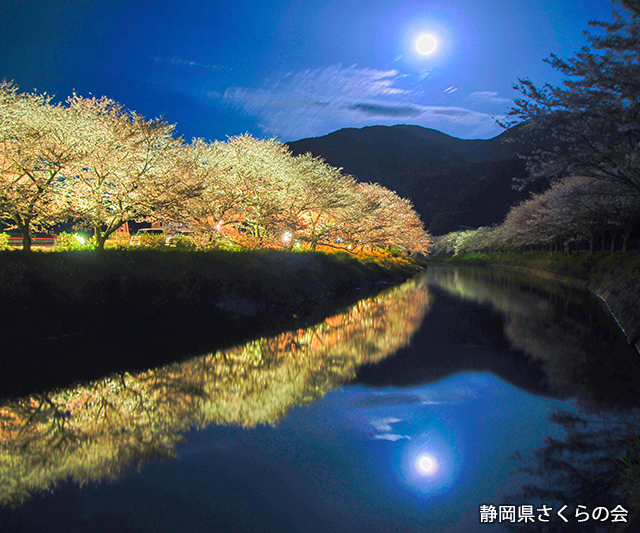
x=622 y=296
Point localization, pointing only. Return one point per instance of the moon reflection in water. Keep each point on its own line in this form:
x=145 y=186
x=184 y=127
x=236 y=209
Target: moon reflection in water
x=427 y=464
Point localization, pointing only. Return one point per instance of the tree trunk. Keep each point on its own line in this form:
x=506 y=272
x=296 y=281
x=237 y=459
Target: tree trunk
x=614 y=234
x=25 y=229
x=26 y=242
x=625 y=240
x=101 y=238
x=100 y=242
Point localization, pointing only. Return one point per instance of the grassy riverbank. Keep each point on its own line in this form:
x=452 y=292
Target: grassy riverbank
x=70 y=316
x=615 y=277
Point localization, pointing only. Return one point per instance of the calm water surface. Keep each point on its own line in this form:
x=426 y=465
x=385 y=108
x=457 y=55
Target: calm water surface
x=405 y=413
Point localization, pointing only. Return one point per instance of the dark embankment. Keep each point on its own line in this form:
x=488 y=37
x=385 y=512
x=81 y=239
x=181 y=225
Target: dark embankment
x=74 y=316
x=614 y=277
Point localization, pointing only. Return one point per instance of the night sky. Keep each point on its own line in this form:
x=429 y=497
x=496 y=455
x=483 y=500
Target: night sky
x=293 y=69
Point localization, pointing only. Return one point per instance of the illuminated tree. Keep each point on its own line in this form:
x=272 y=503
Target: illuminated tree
x=445 y=244
x=218 y=204
x=572 y=210
x=262 y=172
x=34 y=150
x=495 y=239
x=544 y=220
x=407 y=229
x=127 y=167
x=323 y=192
x=475 y=240
x=379 y=218
x=580 y=208
x=258 y=187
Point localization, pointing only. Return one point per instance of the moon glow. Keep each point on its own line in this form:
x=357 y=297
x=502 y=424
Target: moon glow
x=426 y=44
x=427 y=464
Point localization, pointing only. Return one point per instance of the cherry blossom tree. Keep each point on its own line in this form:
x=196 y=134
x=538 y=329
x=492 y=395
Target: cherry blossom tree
x=445 y=244
x=127 y=167
x=597 y=207
x=589 y=125
x=380 y=218
x=262 y=174
x=256 y=193
x=35 y=148
x=572 y=210
x=627 y=216
x=216 y=206
x=95 y=162
x=323 y=193
x=517 y=230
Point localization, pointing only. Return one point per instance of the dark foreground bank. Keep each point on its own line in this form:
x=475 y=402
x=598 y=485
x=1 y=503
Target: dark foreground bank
x=614 y=277
x=70 y=316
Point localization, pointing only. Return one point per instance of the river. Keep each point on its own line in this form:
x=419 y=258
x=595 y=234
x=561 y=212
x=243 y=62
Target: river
x=467 y=399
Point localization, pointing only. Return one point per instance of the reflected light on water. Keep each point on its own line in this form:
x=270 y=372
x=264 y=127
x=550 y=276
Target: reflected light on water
x=429 y=463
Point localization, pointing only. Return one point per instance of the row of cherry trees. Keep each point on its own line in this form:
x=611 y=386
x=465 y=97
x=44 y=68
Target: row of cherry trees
x=92 y=161
x=575 y=211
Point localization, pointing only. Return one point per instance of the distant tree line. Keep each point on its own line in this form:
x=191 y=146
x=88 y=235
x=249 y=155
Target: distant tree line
x=574 y=212
x=95 y=163
x=586 y=147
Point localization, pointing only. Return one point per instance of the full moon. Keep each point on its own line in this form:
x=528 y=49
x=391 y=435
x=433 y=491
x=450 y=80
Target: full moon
x=427 y=464
x=426 y=44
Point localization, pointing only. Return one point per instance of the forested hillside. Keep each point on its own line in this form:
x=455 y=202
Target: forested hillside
x=451 y=182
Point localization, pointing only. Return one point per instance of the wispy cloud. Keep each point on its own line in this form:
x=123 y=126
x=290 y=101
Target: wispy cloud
x=185 y=63
x=490 y=97
x=392 y=437
x=387 y=398
x=386 y=110
x=384 y=425
x=316 y=102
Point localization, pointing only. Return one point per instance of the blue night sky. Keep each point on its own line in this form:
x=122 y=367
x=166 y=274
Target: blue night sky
x=293 y=69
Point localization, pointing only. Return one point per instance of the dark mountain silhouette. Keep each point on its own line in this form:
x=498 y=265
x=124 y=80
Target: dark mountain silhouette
x=451 y=182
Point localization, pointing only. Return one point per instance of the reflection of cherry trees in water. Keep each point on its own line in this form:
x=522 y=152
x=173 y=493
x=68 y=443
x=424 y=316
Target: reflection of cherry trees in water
x=96 y=431
x=581 y=350
x=595 y=464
